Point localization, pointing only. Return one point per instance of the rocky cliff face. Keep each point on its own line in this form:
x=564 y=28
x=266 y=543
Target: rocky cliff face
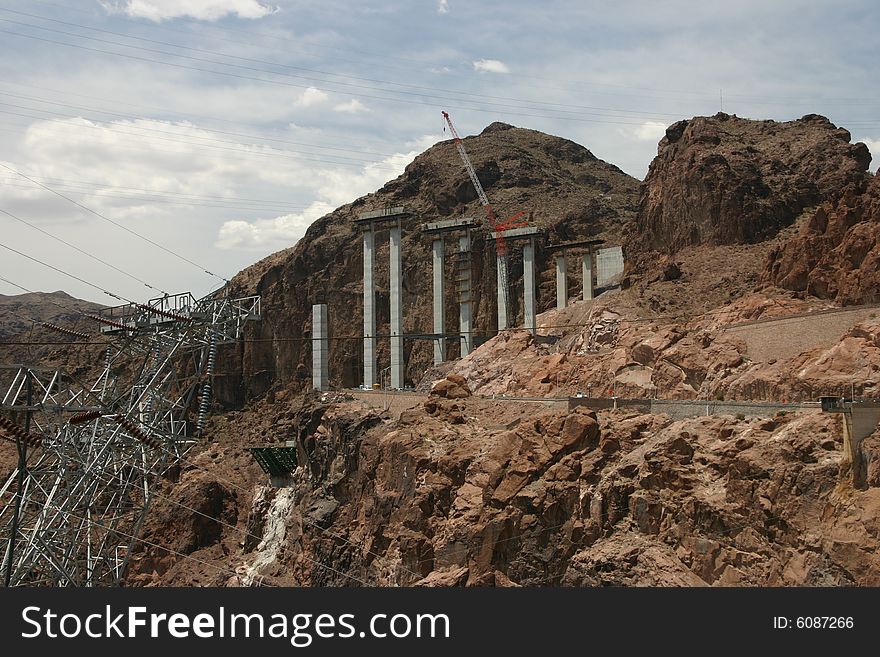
x=488 y=493
x=727 y=180
x=836 y=253
x=559 y=184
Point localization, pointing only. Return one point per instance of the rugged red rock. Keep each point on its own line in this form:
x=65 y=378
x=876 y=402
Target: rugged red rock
x=727 y=180
x=836 y=253
x=460 y=489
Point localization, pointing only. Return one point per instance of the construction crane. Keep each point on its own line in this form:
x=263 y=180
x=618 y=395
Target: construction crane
x=497 y=226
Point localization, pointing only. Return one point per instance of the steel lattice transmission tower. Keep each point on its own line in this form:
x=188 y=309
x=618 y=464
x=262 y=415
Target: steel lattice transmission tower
x=92 y=452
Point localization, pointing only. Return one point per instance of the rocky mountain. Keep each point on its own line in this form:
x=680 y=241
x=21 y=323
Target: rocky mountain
x=18 y=312
x=727 y=180
x=465 y=487
x=836 y=253
x=21 y=316
x=561 y=186
x=478 y=492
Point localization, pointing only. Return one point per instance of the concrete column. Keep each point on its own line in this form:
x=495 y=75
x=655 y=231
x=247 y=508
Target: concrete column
x=396 y=288
x=561 y=282
x=369 y=310
x=464 y=302
x=439 y=307
x=529 y=315
x=587 y=265
x=320 y=348
x=501 y=267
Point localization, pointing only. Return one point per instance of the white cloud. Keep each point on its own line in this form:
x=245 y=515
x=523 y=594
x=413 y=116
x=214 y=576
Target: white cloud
x=443 y=6
x=209 y=10
x=264 y=234
x=335 y=187
x=873 y=146
x=491 y=66
x=351 y=107
x=650 y=131
x=311 y=97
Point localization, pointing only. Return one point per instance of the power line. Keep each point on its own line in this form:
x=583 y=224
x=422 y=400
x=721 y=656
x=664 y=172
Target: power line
x=451 y=105
x=469 y=94
x=177 y=138
x=188 y=116
x=85 y=253
x=69 y=275
x=213 y=130
x=305 y=520
x=117 y=224
x=164 y=192
x=218 y=520
x=224 y=569
x=66 y=309
x=383 y=58
x=147 y=199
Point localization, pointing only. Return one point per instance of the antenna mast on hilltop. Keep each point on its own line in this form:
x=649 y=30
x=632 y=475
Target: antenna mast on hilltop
x=497 y=226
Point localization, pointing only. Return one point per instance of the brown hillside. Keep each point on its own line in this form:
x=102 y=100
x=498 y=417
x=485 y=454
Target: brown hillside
x=561 y=185
x=835 y=255
x=726 y=180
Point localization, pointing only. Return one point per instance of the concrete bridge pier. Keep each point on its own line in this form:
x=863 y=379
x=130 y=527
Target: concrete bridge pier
x=529 y=308
x=437 y=250
x=463 y=289
x=370 y=221
x=860 y=420
x=561 y=281
x=587 y=267
x=320 y=348
x=396 y=287
x=369 y=309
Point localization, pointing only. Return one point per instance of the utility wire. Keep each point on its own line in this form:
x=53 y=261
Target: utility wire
x=115 y=223
x=176 y=138
x=85 y=253
x=161 y=192
x=305 y=520
x=579 y=118
x=218 y=520
x=188 y=557
x=69 y=275
x=145 y=200
x=384 y=57
x=468 y=94
x=358 y=151
x=192 y=118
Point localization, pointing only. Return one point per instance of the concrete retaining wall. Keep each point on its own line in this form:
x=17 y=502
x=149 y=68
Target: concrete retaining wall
x=789 y=336
x=679 y=409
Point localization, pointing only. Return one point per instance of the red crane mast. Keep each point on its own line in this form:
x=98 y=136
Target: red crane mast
x=497 y=226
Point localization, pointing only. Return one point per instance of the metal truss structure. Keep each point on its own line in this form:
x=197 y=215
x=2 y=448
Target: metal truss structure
x=90 y=454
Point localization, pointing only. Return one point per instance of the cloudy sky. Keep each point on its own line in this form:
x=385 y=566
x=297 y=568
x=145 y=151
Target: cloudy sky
x=220 y=129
